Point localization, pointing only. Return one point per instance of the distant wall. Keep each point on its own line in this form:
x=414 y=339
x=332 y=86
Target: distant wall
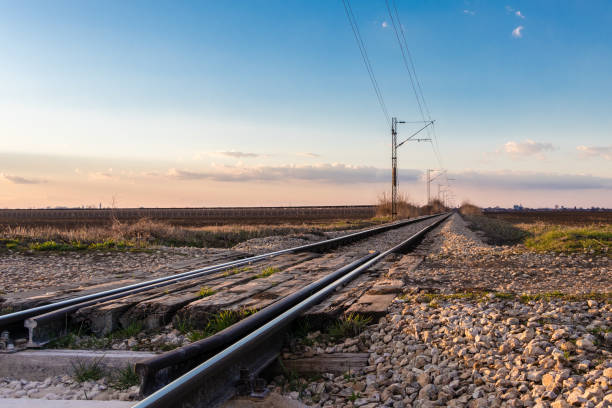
x=187 y=216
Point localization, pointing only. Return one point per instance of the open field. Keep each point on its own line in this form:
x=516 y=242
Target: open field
x=556 y=232
x=184 y=216
x=554 y=217
x=145 y=233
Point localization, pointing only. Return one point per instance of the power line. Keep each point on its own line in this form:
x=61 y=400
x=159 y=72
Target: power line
x=366 y=60
x=410 y=72
x=414 y=79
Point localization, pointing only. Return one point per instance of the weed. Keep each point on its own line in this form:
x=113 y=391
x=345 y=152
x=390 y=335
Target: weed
x=435 y=297
x=504 y=295
x=349 y=326
x=67 y=341
x=124 y=378
x=205 y=292
x=49 y=246
x=526 y=298
x=218 y=322
x=88 y=370
x=6 y=310
x=566 y=355
x=600 y=330
x=301 y=329
x=196 y=335
x=183 y=325
x=168 y=347
x=235 y=271
x=269 y=271
x=354 y=396
x=130 y=330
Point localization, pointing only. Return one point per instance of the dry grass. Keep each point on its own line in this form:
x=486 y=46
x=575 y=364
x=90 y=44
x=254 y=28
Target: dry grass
x=406 y=209
x=468 y=208
x=146 y=232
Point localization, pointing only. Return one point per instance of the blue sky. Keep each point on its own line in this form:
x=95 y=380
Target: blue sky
x=162 y=89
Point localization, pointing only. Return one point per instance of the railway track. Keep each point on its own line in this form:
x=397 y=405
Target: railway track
x=251 y=345
x=232 y=357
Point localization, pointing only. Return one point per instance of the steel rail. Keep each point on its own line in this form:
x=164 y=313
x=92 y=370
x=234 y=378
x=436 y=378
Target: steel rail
x=35 y=311
x=189 y=390
x=148 y=369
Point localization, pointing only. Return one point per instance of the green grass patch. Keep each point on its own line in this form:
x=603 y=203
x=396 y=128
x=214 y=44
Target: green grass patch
x=108 y=245
x=436 y=297
x=236 y=270
x=182 y=324
x=504 y=295
x=205 y=291
x=218 y=322
x=350 y=325
x=130 y=330
x=269 y=271
x=594 y=239
x=88 y=370
x=354 y=396
x=124 y=378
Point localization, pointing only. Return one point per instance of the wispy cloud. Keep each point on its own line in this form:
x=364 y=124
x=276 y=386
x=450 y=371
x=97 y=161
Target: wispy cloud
x=384 y=24
x=519 y=14
x=100 y=175
x=308 y=154
x=518 y=32
x=335 y=173
x=21 y=180
x=239 y=155
x=509 y=9
x=504 y=180
x=595 y=151
x=526 y=148
x=469 y=12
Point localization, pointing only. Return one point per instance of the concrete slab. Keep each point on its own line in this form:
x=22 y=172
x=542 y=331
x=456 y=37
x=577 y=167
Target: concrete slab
x=40 y=364
x=43 y=403
x=273 y=400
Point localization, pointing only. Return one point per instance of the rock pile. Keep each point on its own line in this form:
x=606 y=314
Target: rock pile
x=486 y=352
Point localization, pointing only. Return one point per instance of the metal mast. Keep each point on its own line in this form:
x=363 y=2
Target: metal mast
x=393 y=168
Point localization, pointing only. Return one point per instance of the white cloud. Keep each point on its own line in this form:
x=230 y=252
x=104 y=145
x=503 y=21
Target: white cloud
x=238 y=155
x=384 y=24
x=518 y=32
x=308 y=154
x=519 y=14
x=509 y=9
x=527 y=148
x=532 y=180
x=21 y=180
x=101 y=175
x=604 y=152
x=335 y=173
x=469 y=12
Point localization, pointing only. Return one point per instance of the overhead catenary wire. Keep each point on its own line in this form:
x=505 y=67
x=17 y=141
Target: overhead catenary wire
x=414 y=79
x=366 y=60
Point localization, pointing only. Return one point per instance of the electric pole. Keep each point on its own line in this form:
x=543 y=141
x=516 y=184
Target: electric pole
x=394 y=146
x=393 y=168
x=428 y=181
